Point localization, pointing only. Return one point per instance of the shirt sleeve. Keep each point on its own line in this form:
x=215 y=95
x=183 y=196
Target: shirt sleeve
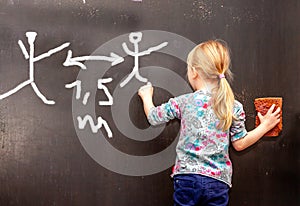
x=165 y=112
x=238 y=129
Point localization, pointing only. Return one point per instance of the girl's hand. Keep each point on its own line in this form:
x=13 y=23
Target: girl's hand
x=146 y=92
x=271 y=119
x=267 y=122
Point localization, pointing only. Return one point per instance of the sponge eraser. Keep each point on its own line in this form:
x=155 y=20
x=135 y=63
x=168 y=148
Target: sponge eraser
x=262 y=105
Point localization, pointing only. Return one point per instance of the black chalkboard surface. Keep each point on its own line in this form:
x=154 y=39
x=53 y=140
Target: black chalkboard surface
x=72 y=134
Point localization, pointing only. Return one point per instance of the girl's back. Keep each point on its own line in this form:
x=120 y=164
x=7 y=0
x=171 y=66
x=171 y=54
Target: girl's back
x=202 y=147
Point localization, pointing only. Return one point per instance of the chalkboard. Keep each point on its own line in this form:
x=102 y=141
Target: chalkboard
x=72 y=127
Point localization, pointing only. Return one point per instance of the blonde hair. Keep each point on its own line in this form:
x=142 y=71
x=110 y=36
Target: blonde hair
x=211 y=60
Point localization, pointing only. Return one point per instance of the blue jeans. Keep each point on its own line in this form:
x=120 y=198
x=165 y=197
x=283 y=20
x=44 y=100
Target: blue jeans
x=193 y=189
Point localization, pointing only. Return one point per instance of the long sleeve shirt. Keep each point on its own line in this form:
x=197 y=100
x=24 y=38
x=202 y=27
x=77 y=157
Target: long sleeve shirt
x=202 y=148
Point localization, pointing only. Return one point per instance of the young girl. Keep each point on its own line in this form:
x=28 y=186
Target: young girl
x=210 y=118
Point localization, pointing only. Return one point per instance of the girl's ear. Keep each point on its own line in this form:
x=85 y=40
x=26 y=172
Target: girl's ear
x=194 y=73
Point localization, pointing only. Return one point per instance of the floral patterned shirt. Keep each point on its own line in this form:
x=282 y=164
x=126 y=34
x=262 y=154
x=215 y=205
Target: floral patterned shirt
x=202 y=148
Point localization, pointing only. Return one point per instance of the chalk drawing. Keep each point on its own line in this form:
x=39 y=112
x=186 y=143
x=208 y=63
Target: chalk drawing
x=87 y=118
x=31 y=36
x=135 y=38
x=76 y=61
x=77 y=84
x=109 y=96
x=86 y=97
x=95 y=127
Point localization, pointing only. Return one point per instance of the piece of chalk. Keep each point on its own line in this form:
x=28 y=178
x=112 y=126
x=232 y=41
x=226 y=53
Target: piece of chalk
x=148 y=85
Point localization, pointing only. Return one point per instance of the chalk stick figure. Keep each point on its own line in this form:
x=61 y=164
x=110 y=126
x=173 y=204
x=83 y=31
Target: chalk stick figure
x=31 y=38
x=135 y=38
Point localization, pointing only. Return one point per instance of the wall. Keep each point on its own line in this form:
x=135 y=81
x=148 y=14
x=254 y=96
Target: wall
x=44 y=157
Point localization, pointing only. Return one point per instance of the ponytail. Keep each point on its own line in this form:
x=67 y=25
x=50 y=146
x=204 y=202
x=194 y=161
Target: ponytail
x=212 y=61
x=223 y=101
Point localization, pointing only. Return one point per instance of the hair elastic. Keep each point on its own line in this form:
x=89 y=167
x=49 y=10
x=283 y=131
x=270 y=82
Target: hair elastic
x=221 y=76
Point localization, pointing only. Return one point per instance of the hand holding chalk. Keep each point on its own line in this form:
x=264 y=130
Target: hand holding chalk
x=146 y=91
x=148 y=85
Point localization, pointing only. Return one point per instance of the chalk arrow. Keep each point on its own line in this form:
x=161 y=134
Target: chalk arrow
x=76 y=61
